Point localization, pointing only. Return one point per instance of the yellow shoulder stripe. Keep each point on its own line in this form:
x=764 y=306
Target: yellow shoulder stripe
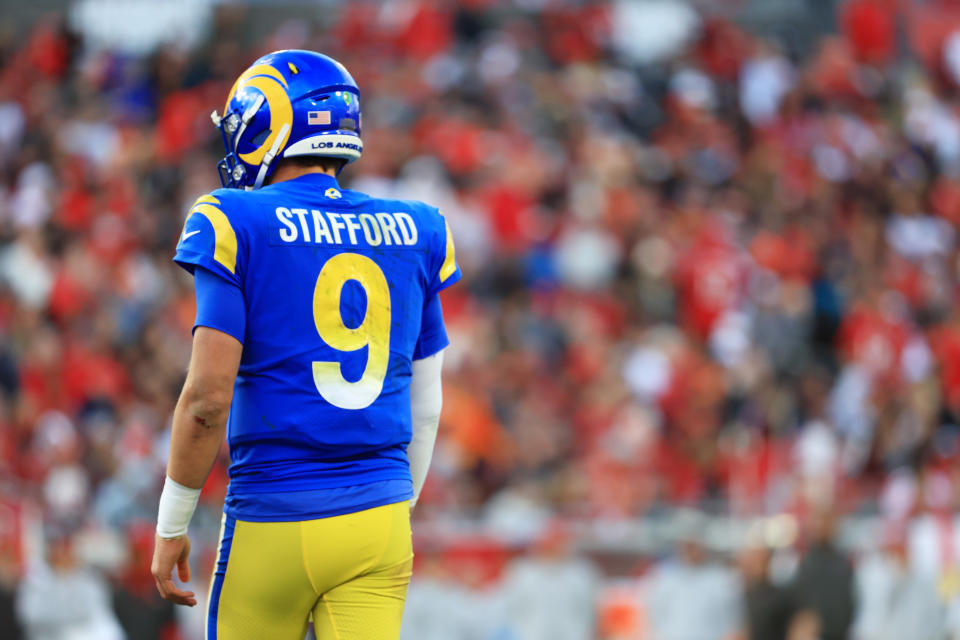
x=450 y=262
x=225 y=238
x=208 y=199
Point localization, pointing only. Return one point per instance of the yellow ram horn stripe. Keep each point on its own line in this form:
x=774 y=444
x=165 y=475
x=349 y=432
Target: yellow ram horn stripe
x=256 y=70
x=450 y=263
x=225 y=239
x=280 y=113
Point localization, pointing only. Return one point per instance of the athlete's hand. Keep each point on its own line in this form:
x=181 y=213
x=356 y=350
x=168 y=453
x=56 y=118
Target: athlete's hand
x=168 y=552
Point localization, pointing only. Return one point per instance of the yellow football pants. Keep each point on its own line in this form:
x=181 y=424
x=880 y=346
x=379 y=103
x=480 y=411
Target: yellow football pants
x=350 y=572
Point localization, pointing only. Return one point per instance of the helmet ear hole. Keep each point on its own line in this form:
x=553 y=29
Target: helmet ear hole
x=260 y=138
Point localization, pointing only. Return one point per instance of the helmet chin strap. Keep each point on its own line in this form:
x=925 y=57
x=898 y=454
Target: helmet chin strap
x=270 y=155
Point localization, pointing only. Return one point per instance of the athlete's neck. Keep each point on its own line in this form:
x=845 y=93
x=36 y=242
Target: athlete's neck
x=290 y=171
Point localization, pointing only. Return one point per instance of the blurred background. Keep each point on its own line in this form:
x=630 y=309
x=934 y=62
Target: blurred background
x=704 y=381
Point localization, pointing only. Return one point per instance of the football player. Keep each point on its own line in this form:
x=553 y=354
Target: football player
x=317 y=349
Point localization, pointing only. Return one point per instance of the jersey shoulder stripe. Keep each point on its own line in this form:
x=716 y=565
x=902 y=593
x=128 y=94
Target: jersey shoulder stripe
x=211 y=236
x=449 y=266
x=225 y=238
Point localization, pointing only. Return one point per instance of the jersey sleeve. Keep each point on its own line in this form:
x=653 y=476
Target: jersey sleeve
x=433 y=332
x=220 y=304
x=209 y=240
x=444 y=268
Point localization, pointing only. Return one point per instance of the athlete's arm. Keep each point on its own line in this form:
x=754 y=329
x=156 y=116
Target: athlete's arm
x=426 y=394
x=200 y=418
x=199 y=423
x=426 y=400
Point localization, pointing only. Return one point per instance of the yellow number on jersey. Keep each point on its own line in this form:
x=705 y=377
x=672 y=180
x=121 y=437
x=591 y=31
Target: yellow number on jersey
x=373 y=332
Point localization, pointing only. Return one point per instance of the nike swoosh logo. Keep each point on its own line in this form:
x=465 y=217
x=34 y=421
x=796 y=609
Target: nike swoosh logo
x=187 y=235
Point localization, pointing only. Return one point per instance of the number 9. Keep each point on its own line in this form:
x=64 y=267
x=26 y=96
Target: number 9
x=373 y=332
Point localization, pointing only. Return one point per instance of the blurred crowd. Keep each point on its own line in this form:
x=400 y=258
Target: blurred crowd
x=703 y=268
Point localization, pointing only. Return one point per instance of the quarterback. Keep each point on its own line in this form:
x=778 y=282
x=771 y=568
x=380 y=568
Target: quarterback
x=317 y=350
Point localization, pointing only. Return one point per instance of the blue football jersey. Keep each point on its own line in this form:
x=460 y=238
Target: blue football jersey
x=334 y=285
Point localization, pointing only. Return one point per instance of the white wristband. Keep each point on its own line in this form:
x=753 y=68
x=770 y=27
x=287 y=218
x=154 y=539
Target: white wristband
x=177 y=504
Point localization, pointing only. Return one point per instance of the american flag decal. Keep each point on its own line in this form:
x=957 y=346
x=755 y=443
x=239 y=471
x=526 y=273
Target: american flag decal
x=318 y=117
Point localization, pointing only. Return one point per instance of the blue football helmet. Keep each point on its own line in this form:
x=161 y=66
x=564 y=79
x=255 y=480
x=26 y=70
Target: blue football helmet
x=288 y=103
